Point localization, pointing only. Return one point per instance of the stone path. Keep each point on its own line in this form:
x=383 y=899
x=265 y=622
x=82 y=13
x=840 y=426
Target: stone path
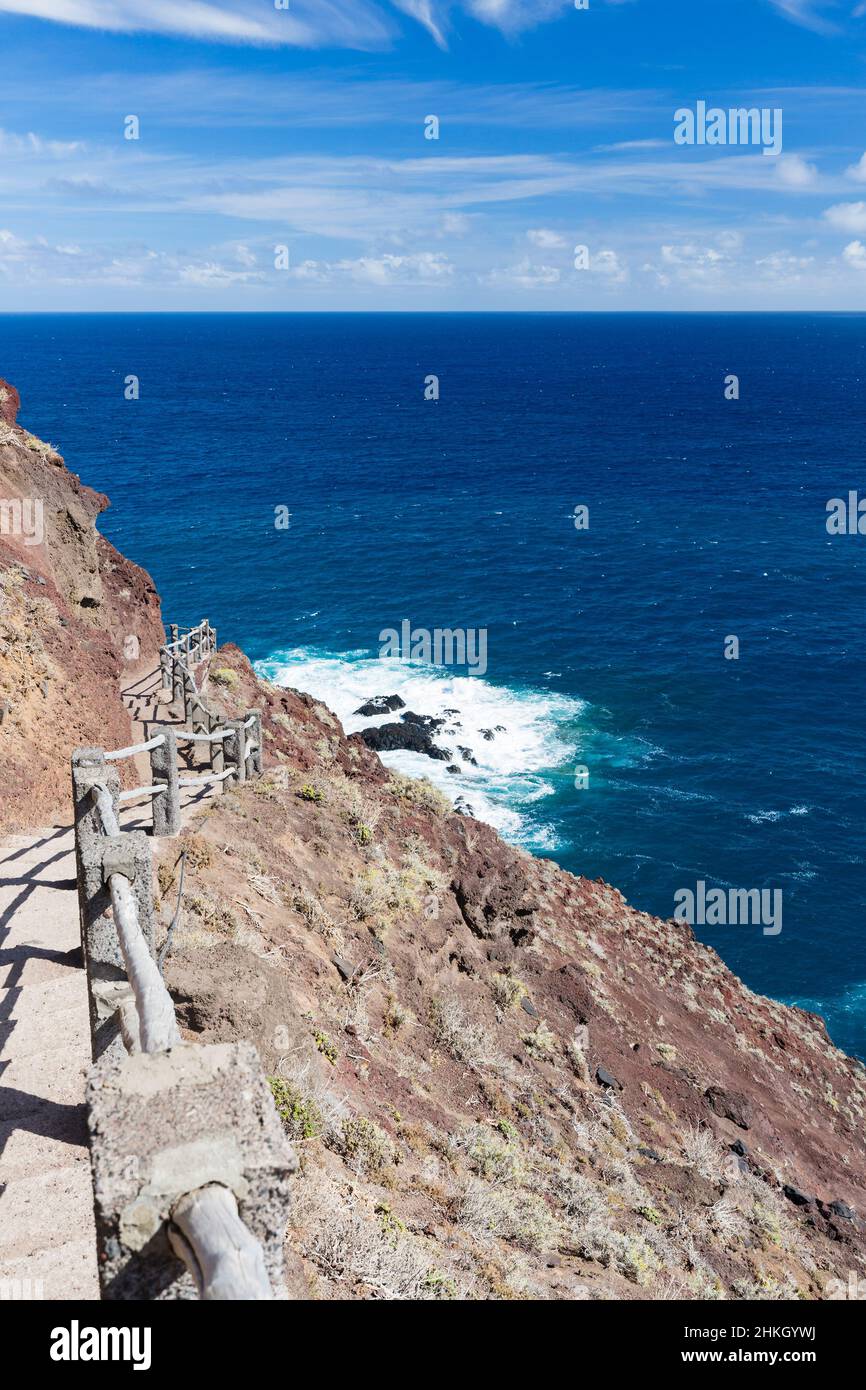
x=47 y=1235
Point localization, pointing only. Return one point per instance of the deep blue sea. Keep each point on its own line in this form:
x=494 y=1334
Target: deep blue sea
x=605 y=647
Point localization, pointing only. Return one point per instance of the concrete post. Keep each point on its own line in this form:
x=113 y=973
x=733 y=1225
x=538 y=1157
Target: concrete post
x=200 y=724
x=165 y=668
x=176 y=673
x=107 y=981
x=254 y=744
x=165 y=1124
x=189 y=694
x=217 y=749
x=234 y=758
x=164 y=772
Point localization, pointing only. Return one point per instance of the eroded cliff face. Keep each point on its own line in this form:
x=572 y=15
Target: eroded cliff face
x=503 y=1082
x=77 y=620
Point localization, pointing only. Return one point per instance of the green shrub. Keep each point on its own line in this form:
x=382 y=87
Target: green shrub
x=223 y=676
x=300 y=1115
x=326 y=1046
x=363 y=1144
x=310 y=793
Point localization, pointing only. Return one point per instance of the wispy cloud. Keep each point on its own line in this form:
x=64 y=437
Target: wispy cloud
x=218 y=96
x=821 y=16
x=360 y=24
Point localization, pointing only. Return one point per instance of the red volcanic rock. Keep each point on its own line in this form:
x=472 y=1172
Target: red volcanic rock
x=69 y=606
x=10 y=403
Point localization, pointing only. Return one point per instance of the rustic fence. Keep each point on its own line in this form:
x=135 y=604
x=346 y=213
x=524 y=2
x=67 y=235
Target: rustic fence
x=190 y=1163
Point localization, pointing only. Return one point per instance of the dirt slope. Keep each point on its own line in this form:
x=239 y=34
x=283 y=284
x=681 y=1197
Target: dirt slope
x=505 y=1081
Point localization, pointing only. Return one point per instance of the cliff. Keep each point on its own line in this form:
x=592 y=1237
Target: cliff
x=503 y=1082
x=77 y=621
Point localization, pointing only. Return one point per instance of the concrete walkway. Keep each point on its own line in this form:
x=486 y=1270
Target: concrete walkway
x=46 y=1199
x=47 y=1234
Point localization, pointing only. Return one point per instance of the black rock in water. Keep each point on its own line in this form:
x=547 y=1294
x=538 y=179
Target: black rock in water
x=381 y=704
x=410 y=738
x=424 y=721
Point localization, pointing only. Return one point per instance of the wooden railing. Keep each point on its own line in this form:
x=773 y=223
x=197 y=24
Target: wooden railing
x=212 y=1216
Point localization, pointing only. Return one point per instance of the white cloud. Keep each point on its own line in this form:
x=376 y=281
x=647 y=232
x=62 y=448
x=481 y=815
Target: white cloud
x=855 y=255
x=783 y=267
x=244 y=255
x=608 y=264
x=30 y=144
x=421 y=268
x=545 y=239
x=808 y=13
x=39 y=261
x=212 y=275
x=695 y=265
x=524 y=275
x=359 y=24
x=455 y=224
x=794 y=172
x=362 y=24
x=426 y=13
x=857 y=171
x=848 y=217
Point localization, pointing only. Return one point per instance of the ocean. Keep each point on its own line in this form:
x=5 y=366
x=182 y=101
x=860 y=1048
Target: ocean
x=624 y=743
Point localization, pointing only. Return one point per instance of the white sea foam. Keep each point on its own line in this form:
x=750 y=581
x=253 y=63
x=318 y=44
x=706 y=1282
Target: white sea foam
x=759 y=817
x=523 y=763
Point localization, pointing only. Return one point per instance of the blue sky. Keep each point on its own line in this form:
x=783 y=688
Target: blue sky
x=304 y=127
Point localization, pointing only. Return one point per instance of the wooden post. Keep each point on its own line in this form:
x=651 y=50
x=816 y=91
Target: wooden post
x=224 y=1259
